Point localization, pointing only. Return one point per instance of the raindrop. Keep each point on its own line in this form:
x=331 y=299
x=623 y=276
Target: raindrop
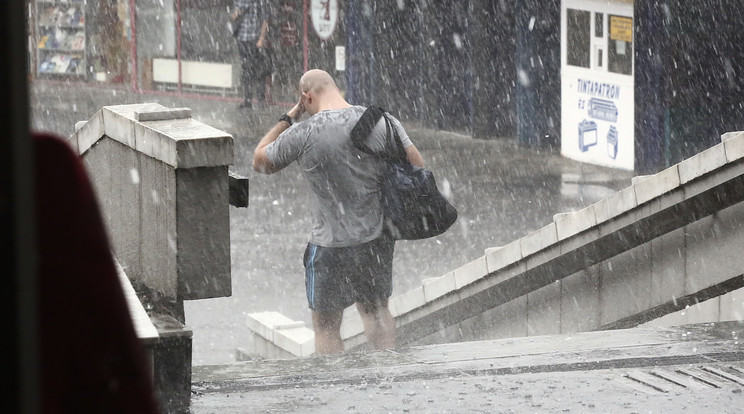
x=134 y=176
x=523 y=77
x=457 y=40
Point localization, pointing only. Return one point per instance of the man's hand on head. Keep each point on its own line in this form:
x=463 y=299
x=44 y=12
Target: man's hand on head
x=297 y=111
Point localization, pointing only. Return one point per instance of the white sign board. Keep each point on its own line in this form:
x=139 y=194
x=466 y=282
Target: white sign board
x=340 y=58
x=597 y=121
x=597 y=84
x=324 y=14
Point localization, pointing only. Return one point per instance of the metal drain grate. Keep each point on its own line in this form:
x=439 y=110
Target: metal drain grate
x=685 y=378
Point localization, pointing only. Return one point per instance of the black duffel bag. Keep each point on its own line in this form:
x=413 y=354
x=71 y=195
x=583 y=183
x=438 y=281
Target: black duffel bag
x=413 y=206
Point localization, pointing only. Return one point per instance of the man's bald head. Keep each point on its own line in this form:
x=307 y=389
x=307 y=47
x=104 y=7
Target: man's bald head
x=320 y=92
x=318 y=81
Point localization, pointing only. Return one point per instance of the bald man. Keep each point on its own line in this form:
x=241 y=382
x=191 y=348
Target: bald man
x=349 y=258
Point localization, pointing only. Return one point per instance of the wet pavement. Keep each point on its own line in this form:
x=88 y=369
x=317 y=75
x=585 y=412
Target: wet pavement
x=502 y=192
x=693 y=368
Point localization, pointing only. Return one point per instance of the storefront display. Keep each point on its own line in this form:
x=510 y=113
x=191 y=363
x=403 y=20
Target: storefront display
x=61 y=34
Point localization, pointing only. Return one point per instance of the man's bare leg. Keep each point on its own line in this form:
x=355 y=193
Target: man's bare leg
x=328 y=332
x=379 y=325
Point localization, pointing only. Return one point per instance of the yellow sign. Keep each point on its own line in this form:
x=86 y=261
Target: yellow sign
x=621 y=28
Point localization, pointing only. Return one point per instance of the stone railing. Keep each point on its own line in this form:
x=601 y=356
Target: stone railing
x=164 y=188
x=667 y=242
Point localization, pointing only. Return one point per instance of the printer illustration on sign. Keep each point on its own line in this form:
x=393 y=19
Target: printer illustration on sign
x=612 y=142
x=602 y=109
x=587 y=134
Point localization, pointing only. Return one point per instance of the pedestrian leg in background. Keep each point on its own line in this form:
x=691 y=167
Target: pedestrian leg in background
x=247 y=78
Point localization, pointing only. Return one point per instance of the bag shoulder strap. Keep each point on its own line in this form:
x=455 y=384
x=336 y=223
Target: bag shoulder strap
x=394 y=151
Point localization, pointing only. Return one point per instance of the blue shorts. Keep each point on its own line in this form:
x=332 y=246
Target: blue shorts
x=337 y=277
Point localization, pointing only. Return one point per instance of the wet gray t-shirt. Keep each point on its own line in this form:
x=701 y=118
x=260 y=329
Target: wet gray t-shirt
x=344 y=182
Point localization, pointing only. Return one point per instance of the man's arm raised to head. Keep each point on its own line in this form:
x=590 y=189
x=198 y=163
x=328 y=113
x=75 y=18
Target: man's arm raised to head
x=261 y=162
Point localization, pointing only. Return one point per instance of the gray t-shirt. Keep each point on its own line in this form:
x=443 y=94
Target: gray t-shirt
x=344 y=181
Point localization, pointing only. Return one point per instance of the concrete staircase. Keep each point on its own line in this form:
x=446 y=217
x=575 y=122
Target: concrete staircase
x=668 y=242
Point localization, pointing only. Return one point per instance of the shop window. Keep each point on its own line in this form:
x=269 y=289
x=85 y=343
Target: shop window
x=598 y=24
x=620 y=48
x=578 y=30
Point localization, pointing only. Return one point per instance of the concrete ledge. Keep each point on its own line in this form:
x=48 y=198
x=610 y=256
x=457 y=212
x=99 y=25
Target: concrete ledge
x=175 y=113
x=656 y=185
x=168 y=135
x=282 y=333
x=239 y=188
x=143 y=326
x=734 y=147
x=651 y=207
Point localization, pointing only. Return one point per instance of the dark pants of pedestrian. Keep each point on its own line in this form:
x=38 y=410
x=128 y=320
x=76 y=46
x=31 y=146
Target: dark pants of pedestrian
x=253 y=70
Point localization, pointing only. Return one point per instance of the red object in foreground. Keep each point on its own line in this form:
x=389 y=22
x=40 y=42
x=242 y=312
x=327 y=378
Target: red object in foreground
x=91 y=359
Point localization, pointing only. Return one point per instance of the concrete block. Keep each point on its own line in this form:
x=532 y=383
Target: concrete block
x=672 y=319
x=262 y=323
x=494 y=278
x=714 y=252
x=151 y=143
x=538 y=240
x=197 y=144
x=439 y=286
x=143 y=326
x=561 y=216
x=618 y=203
x=625 y=285
x=409 y=301
x=470 y=272
x=158 y=229
x=297 y=341
x=90 y=133
x=668 y=267
x=702 y=163
x=118 y=126
x=239 y=188
x=734 y=147
x=72 y=141
x=542 y=257
x=575 y=223
x=203 y=226
x=656 y=185
x=544 y=310
x=732 y=306
x=183 y=143
x=501 y=257
x=639 y=178
x=173 y=113
x=505 y=321
x=726 y=136
x=580 y=301
x=601 y=210
x=579 y=241
x=113 y=167
x=708 y=311
x=731 y=171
